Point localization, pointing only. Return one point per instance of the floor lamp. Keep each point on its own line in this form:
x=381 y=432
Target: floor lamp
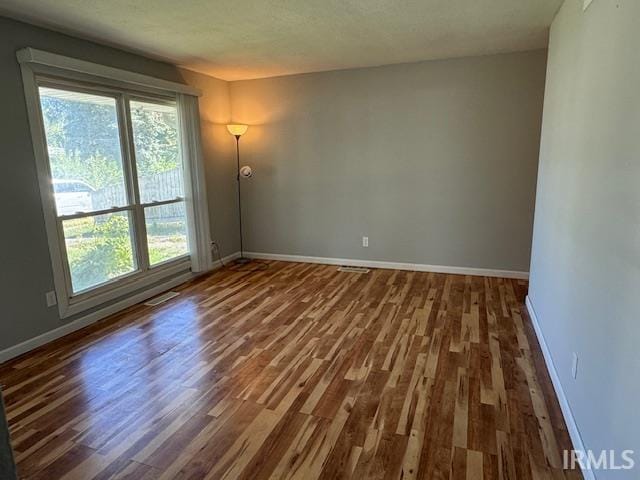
x=237 y=131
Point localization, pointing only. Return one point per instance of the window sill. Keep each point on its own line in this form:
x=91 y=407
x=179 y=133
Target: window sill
x=108 y=293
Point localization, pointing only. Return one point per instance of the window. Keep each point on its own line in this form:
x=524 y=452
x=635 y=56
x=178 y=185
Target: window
x=119 y=193
x=121 y=178
x=160 y=179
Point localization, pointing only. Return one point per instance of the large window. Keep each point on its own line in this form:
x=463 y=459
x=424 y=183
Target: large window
x=117 y=181
x=121 y=178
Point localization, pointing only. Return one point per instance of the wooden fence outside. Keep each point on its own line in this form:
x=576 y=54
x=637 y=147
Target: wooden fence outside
x=161 y=186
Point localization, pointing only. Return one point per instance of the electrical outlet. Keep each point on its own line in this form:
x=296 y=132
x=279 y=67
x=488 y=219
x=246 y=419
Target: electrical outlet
x=365 y=241
x=51 y=298
x=574 y=366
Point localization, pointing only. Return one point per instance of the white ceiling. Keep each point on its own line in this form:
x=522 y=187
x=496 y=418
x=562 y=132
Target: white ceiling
x=261 y=38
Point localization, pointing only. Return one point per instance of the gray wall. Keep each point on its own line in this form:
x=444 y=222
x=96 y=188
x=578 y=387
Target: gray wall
x=435 y=162
x=585 y=266
x=24 y=257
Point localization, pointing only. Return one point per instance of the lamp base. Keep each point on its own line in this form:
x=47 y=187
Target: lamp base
x=242 y=261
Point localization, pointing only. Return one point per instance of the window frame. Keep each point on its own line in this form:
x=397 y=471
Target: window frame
x=140 y=205
x=123 y=86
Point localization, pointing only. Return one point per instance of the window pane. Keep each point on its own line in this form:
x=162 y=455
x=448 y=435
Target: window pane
x=99 y=249
x=156 y=140
x=166 y=232
x=84 y=150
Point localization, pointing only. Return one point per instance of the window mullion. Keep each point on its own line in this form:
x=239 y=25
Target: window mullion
x=94 y=213
x=131 y=173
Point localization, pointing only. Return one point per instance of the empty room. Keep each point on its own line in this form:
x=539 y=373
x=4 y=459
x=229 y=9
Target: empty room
x=366 y=239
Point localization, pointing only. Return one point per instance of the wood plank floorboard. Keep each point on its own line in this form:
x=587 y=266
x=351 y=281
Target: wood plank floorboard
x=296 y=372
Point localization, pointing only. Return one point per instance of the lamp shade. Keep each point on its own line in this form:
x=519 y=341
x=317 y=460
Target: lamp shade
x=237 y=129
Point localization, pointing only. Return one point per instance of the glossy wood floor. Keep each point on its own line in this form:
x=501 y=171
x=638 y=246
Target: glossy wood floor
x=299 y=371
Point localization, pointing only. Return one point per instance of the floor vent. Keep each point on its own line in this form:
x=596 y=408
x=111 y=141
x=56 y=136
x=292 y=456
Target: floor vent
x=161 y=299
x=345 y=268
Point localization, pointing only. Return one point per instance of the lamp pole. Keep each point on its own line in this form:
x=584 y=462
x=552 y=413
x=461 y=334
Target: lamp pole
x=237 y=130
x=242 y=259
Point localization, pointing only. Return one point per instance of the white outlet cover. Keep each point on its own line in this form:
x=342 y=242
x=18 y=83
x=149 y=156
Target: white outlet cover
x=365 y=241
x=51 y=298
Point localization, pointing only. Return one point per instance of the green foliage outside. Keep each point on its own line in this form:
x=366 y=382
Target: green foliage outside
x=99 y=250
x=84 y=140
x=156 y=140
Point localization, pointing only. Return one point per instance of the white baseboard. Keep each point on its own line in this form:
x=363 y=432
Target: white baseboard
x=229 y=258
x=93 y=317
x=418 y=267
x=574 y=433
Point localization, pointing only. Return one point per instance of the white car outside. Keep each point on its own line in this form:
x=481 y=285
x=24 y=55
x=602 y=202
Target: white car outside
x=72 y=196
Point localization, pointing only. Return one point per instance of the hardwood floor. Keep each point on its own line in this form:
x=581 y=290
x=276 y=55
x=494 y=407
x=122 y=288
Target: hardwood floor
x=299 y=371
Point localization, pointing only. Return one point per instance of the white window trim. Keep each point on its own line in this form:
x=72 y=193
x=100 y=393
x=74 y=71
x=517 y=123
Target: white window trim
x=35 y=63
x=78 y=69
